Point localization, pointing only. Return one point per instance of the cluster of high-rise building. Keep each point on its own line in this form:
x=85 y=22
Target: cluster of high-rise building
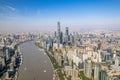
x=84 y=55
x=59 y=37
x=10 y=57
x=91 y=54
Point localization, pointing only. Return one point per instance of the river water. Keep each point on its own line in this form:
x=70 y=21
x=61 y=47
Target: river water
x=35 y=65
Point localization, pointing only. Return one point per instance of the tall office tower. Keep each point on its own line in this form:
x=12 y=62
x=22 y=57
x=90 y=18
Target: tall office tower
x=3 y=43
x=71 y=39
x=55 y=34
x=61 y=37
x=67 y=35
x=111 y=49
x=99 y=46
x=58 y=27
x=97 y=70
x=88 y=68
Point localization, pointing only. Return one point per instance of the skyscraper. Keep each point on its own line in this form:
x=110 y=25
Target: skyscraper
x=59 y=32
x=55 y=34
x=61 y=37
x=67 y=35
x=88 y=68
x=67 y=31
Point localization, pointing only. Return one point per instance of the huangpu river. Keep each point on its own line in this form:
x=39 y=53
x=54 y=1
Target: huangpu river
x=35 y=64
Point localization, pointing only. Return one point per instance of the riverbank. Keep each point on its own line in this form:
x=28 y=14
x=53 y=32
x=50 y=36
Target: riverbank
x=58 y=70
x=12 y=64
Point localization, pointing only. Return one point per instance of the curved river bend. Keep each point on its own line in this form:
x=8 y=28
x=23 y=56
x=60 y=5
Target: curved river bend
x=35 y=64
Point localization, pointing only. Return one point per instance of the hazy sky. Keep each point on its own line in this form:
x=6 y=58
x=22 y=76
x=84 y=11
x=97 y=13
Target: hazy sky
x=42 y=15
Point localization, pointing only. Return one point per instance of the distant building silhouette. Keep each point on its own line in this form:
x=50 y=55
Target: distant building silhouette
x=59 y=31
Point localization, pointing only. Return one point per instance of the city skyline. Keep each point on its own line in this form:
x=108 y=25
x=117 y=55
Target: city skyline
x=42 y=15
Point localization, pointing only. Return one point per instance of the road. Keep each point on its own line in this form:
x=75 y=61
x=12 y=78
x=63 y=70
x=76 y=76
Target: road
x=36 y=65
